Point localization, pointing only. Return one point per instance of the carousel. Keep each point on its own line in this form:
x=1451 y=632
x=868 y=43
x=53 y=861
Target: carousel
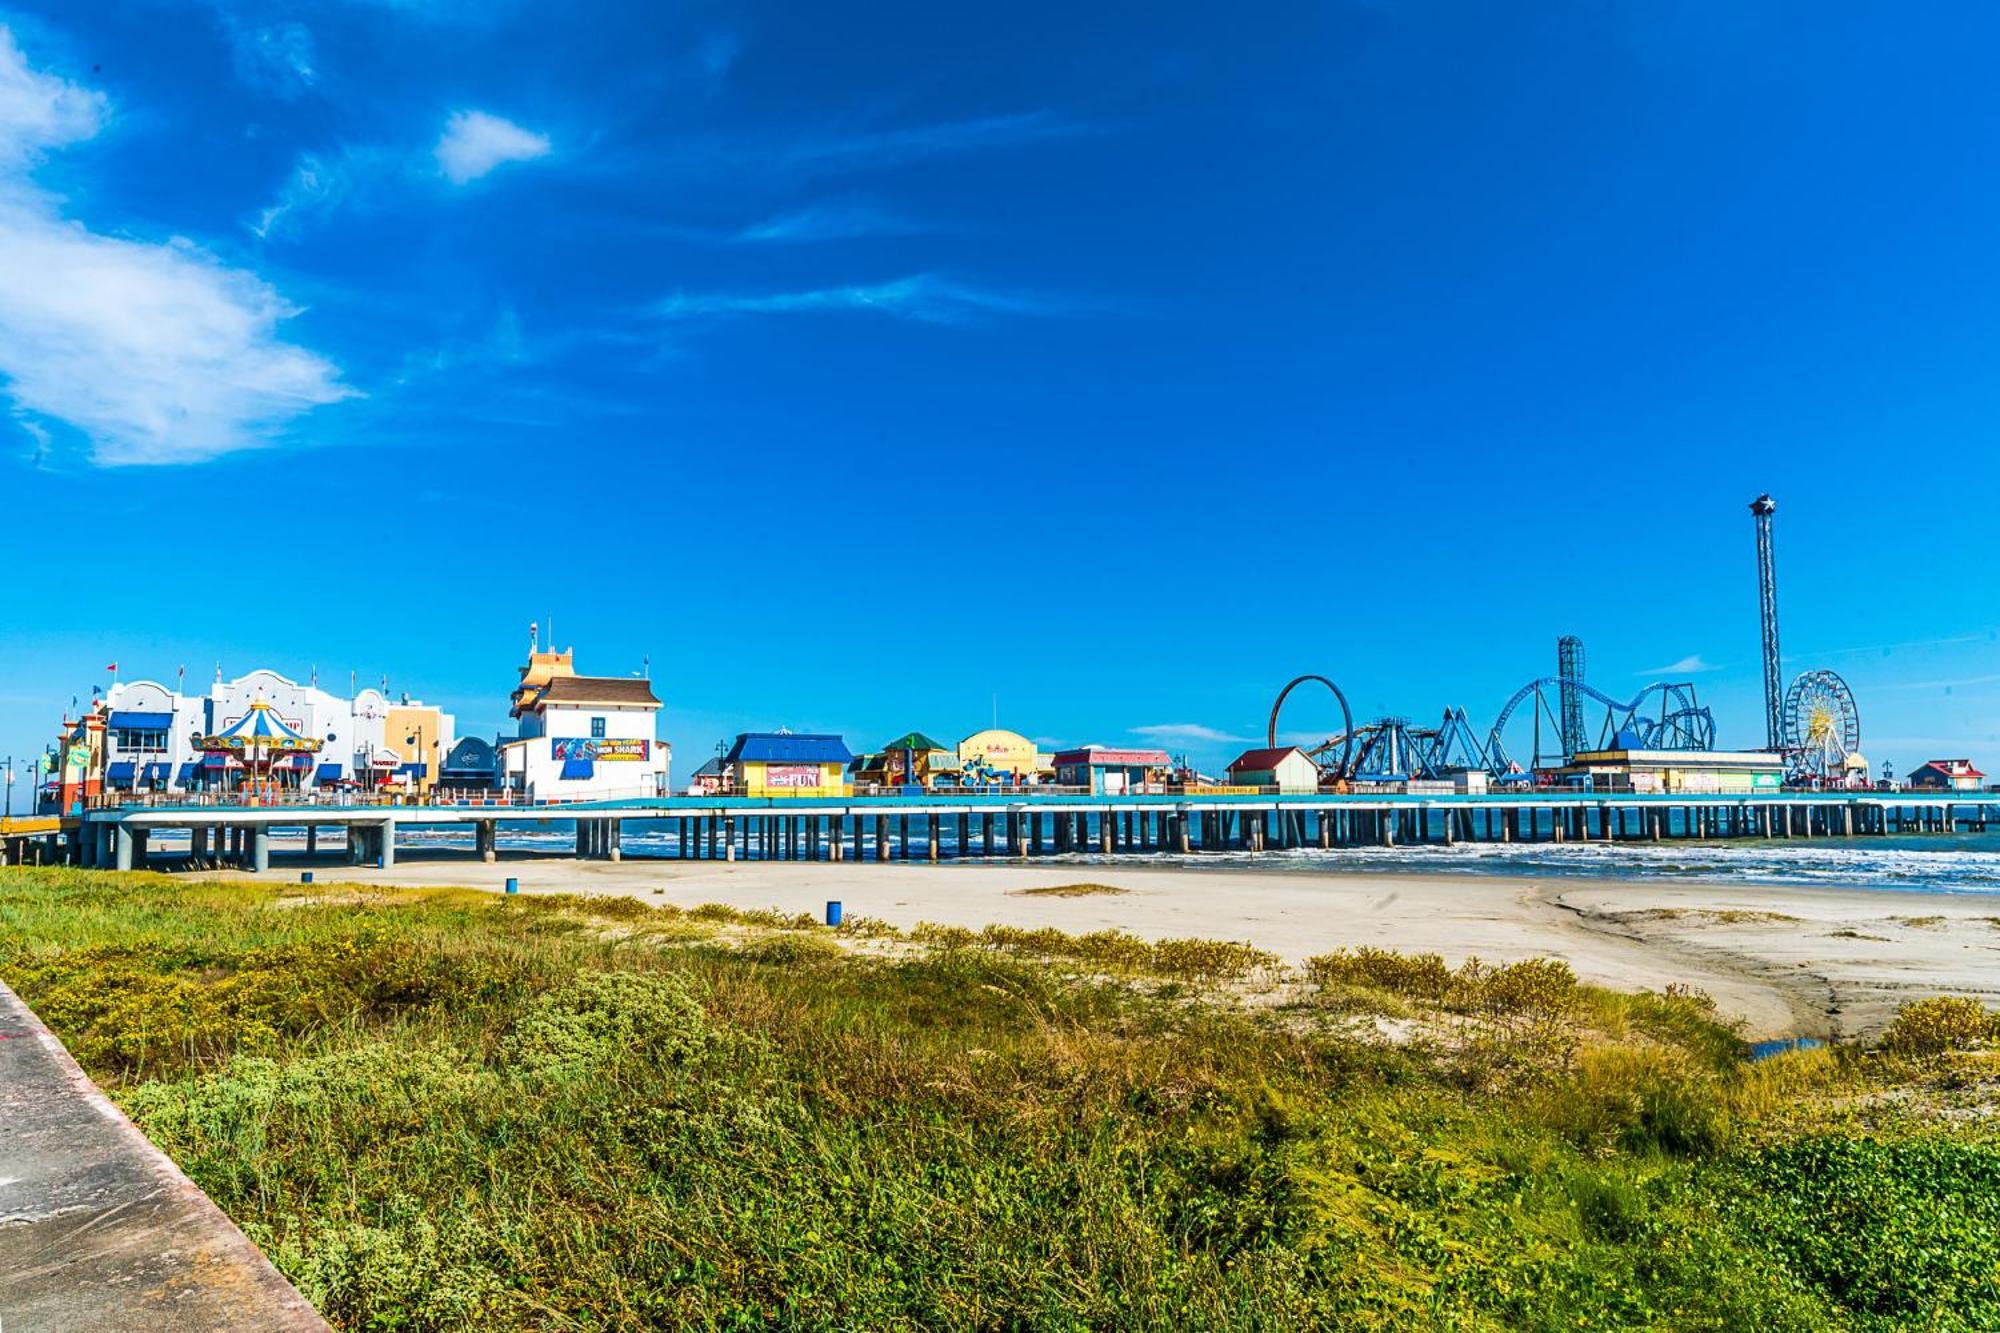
x=269 y=753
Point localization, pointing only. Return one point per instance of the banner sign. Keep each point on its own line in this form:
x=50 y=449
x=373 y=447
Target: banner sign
x=792 y=775
x=635 y=749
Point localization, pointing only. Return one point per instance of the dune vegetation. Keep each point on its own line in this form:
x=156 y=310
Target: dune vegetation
x=451 y=1109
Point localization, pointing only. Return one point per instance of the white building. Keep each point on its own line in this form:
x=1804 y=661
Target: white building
x=150 y=732
x=584 y=738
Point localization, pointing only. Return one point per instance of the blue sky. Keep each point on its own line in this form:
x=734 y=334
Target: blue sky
x=862 y=365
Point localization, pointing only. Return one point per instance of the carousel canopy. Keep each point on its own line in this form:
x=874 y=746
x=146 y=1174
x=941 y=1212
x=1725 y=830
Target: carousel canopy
x=259 y=731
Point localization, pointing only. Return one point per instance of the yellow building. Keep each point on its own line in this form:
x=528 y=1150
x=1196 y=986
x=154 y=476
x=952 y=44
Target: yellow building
x=779 y=763
x=415 y=738
x=1001 y=751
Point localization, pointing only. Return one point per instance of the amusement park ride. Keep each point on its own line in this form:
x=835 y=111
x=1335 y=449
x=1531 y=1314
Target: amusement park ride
x=1814 y=723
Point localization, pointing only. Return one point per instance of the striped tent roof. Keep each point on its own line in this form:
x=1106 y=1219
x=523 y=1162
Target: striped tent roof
x=261 y=730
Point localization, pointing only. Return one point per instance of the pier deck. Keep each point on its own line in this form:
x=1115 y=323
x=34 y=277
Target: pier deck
x=938 y=825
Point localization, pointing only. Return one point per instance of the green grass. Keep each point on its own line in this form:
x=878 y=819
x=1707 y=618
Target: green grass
x=445 y=1109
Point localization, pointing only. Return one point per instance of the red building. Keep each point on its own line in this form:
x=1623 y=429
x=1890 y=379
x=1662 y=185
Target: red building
x=1946 y=775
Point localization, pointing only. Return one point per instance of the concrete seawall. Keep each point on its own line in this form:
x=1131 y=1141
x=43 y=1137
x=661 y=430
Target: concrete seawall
x=98 y=1229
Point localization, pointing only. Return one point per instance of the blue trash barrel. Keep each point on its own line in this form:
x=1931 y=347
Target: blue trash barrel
x=305 y=877
x=513 y=886
x=833 y=914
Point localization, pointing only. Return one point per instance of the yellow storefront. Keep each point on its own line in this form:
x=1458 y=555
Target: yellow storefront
x=1001 y=751
x=782 y=763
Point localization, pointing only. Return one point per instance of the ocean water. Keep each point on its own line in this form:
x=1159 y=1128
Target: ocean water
x=1936 y=863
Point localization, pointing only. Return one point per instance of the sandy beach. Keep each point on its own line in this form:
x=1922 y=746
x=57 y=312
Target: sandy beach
x=1788 y=961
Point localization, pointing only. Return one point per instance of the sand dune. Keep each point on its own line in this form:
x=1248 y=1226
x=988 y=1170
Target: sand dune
x=1786 y=960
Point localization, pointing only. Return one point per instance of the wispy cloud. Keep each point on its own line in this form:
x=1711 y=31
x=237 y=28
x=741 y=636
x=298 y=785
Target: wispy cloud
x=475 y=142
x=275 y=58
x=923 y=297
x=1888 y=649
x=1946 y=684
x=319 y=184
x=830 y=220
x=870 y=149
x=1692 y=664
x=158 y=353
x=1189 y=733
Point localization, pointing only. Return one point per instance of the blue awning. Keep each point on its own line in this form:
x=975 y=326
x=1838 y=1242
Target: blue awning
x=327 y=773
x=157 y=772
x=415 y=770
x=577 y=770
x=122 y=719
x=187 y=772
x=121 y=771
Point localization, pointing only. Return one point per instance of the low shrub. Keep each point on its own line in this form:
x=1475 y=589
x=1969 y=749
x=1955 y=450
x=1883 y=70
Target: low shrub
x=1939 y=1024
x=1420 y=976
x=1210 y=960
x=791 y=950
x=603 y=1017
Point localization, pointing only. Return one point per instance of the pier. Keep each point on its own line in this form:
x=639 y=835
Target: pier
x=936 y=826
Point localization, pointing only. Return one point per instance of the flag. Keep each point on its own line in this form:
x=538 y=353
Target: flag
x=113 y=668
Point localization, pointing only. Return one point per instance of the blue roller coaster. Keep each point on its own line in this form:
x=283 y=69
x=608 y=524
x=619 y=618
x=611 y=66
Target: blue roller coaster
x=1665 y=715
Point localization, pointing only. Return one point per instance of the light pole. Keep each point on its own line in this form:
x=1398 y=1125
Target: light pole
x=10 y=789
x=417 y=778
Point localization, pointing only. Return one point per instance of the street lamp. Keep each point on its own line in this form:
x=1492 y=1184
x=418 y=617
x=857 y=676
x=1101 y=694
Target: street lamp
x=10 y=789
x=417 y=778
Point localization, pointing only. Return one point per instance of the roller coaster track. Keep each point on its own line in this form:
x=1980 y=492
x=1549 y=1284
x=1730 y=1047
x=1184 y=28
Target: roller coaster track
x=1680 y=723
x=1346 y=737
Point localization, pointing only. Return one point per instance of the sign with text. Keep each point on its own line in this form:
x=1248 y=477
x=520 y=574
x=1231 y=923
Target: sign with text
x=792 y=775
x=633 y=749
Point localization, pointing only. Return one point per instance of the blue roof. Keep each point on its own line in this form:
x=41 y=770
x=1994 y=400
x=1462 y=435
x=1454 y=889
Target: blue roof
x=781 y=747
x=125 y=720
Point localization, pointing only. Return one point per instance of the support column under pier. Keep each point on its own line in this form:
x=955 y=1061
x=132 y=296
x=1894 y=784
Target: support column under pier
x=260 y=848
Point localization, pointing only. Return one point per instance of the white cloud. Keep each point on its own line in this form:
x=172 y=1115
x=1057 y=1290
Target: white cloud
x=39 y=111
x=474 y=143
x=1687 y=666
x=832 y=220
x=923 y=297
x=1188 y=733
x=277 y=58
x=159 y=353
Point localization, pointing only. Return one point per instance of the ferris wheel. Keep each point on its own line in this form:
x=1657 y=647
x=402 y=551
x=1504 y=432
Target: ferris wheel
x=1822 y=727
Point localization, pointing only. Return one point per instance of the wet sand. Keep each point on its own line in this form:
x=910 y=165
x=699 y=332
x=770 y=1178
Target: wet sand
x=1788 y=961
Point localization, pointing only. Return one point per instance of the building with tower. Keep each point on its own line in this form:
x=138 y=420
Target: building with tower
x=583 y=738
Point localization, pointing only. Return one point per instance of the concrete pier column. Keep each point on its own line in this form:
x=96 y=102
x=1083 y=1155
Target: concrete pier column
x=312 y=840
x=385 y=854
x=1106 y=832
x=729 y=837
x=614 y=834
x=483 y=839
x=260 y=848
x=937 y=829
x=122 y=848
